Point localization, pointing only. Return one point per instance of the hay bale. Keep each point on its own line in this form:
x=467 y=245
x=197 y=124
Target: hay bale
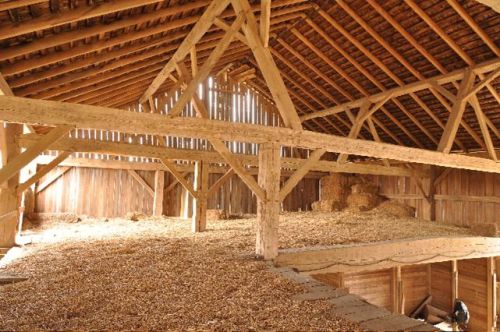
x=217 y=214
x=397 y=209
x=328 y=205
x=364 y=188
x=486 y=229
x=135 y=216
x=362 y=202
x=334 y=187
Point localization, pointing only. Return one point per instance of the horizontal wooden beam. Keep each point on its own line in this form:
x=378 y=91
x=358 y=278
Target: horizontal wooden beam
x=50 y=113
x=149 y=166
x=406 y=89
x=140 y=150
x=387 y=254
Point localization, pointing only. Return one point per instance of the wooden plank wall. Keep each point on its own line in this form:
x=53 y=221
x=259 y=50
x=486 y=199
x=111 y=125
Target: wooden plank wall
x=441 y=274
x=472 y=289
x=113 y=193
x=462 y=198
x=376 y=286
x=416 y=286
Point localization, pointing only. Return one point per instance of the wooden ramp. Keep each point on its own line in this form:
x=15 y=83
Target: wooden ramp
x=386 y=254
x=351 y=307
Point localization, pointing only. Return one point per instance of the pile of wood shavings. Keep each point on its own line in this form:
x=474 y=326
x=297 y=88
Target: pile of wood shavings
x=153 y=275
x=302 y=229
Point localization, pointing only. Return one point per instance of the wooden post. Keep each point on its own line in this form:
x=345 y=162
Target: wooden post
x=491 y=294
x=454 y=282
x=200 y=201
x=429 y=203
x=268 y=208
x=158 y=194
x=9 y=200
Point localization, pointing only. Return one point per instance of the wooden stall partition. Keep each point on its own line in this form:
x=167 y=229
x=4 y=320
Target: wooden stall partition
x=472 y=289
x=441 y=286
x=415 y=280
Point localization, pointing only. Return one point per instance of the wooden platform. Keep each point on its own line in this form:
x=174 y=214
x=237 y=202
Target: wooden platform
x=386 y=254
x=352 y=307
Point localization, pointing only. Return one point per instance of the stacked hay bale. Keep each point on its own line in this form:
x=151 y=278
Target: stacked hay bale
x=363 y=197
x=333 y=193
x=486 y=229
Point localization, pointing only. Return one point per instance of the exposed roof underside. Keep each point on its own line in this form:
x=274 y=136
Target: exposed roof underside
x=328 y=52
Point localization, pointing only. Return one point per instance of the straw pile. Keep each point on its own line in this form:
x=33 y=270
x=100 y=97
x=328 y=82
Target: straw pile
x=334 y=191
x=363 y=197
x=154 y=275
x=327 y=205
x=397 y=209
x=135 y=216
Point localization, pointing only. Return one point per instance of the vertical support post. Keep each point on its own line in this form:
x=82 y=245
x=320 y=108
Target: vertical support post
x=454 y=282
x=158 y=196
x=429 y=203
x=491 y=294
x=397 y=291
x=9 y=199
x=268 y=209
x=199 y=221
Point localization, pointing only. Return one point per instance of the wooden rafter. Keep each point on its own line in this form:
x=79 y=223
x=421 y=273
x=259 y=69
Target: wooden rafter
x=268 y=67
x=200 y=28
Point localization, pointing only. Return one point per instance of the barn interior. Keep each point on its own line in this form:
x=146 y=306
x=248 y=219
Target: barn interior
x=249 y=165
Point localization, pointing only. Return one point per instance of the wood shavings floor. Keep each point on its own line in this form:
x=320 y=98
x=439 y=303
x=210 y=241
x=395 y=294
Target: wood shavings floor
x=155 y=274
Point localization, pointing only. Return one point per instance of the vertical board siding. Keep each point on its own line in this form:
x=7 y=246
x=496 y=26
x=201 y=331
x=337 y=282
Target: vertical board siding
x=415 y=286
x=472 y=289
x=463 y=198
x=112 y=193
x=441 y=277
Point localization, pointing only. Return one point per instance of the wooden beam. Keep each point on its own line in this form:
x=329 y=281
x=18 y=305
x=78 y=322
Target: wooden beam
x=454 y=282
x=43 y=171
x=386 y=254
x=484 y=82
x=23 y=159
x=45 y=184
x=408 y=88
x=458 y=109
x=300 y=173
x=220 y=182
x=70 y=16
x=13 y=4
x=142 y=150
x=158 y=193
x=355 y=129
x=20 y=110
x=199 y=218
x=481 y=119
x=265 y=21
x=200 y=28
x=491 y=282
x=268 y=67
x=180 y=178
x=174 y=183
x=268 y=206
x=141 y=181
x=207 y=67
